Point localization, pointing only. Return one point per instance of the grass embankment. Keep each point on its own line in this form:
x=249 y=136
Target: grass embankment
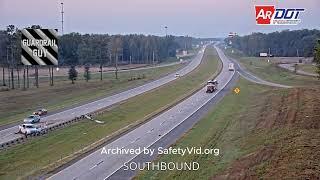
x=16 y=104
x=37 y=153
x=269 y=71
x=310 y=68
x=262 y=132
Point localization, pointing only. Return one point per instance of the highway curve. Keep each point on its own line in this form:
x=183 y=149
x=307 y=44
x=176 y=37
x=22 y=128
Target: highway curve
x=102 y=166
x=7 y=135
x=250 y=77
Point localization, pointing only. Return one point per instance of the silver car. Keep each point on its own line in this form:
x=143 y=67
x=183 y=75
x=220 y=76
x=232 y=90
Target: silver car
x=32 y=119
x=29 y=129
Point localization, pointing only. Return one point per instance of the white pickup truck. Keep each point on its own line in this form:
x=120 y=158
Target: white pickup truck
x=28 y=129
x=231 y=67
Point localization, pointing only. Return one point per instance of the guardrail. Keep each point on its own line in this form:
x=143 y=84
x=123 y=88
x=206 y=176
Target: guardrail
x=44 y=131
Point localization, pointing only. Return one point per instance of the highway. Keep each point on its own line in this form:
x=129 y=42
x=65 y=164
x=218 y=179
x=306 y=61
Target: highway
x=7 y=135
x=102 y=166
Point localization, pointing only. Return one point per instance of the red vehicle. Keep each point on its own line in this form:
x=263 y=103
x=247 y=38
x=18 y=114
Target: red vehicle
x=40 y=112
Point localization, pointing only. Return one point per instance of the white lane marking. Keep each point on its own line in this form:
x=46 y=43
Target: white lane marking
x=150 y=130
x=137 y=139
x=93 y=167
x=96 y=165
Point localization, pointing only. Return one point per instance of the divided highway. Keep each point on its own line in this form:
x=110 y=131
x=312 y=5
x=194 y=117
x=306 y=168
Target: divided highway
x=102 y=166
x=7 y=135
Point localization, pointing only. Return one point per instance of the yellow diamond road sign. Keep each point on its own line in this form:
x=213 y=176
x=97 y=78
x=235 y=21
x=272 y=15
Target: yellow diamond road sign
x=237 y=90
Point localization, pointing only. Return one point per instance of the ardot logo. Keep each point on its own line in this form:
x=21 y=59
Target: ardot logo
x=269 y=15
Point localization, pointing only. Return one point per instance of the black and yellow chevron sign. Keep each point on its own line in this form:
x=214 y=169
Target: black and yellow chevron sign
x=39 y=47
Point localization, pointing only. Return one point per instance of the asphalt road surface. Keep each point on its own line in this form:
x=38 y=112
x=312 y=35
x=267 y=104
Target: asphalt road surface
x=104 y=166
x=9 y=134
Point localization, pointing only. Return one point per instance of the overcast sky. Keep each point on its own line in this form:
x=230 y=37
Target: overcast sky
x=198 y=18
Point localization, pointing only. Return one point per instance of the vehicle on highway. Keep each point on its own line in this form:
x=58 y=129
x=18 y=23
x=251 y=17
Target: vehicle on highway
x=29 y=129
x=40 y=112
x=32 y=119
x=177 y=75
x=212 y=86
x=231 y=67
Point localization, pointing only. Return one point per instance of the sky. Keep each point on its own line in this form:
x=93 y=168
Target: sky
x=197 y=18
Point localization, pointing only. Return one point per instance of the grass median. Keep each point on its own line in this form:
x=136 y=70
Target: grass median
x=262 y=132
x=39 y=155
x=310 y=68
x=17 y=104
x=269 y=71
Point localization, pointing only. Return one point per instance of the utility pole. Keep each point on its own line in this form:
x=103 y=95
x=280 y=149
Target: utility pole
x=166 y=27
x=9 y=76
x=52 y=76
x=269 y=55
x=101 y=72
x=62 y=18
x=101 y=65
x=50 y=80
x=24 y=78
x=116 y=65
x=27 y=76
x=3 y=76
x=12 y=76
x=295 y=68
x=185 y=43
x=110 y=58
x=152 y=57
x=18 y=75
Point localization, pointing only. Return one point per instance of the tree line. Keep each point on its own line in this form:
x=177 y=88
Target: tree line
x=285 y=43
x=317 y=56
x=90 y=49
x=79 y=49
x=75 y=48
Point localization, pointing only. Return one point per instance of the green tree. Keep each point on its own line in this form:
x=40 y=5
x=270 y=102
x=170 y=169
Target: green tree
x=317 y=56
x=284 y=43
x=87 y=74
x=73 y=74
